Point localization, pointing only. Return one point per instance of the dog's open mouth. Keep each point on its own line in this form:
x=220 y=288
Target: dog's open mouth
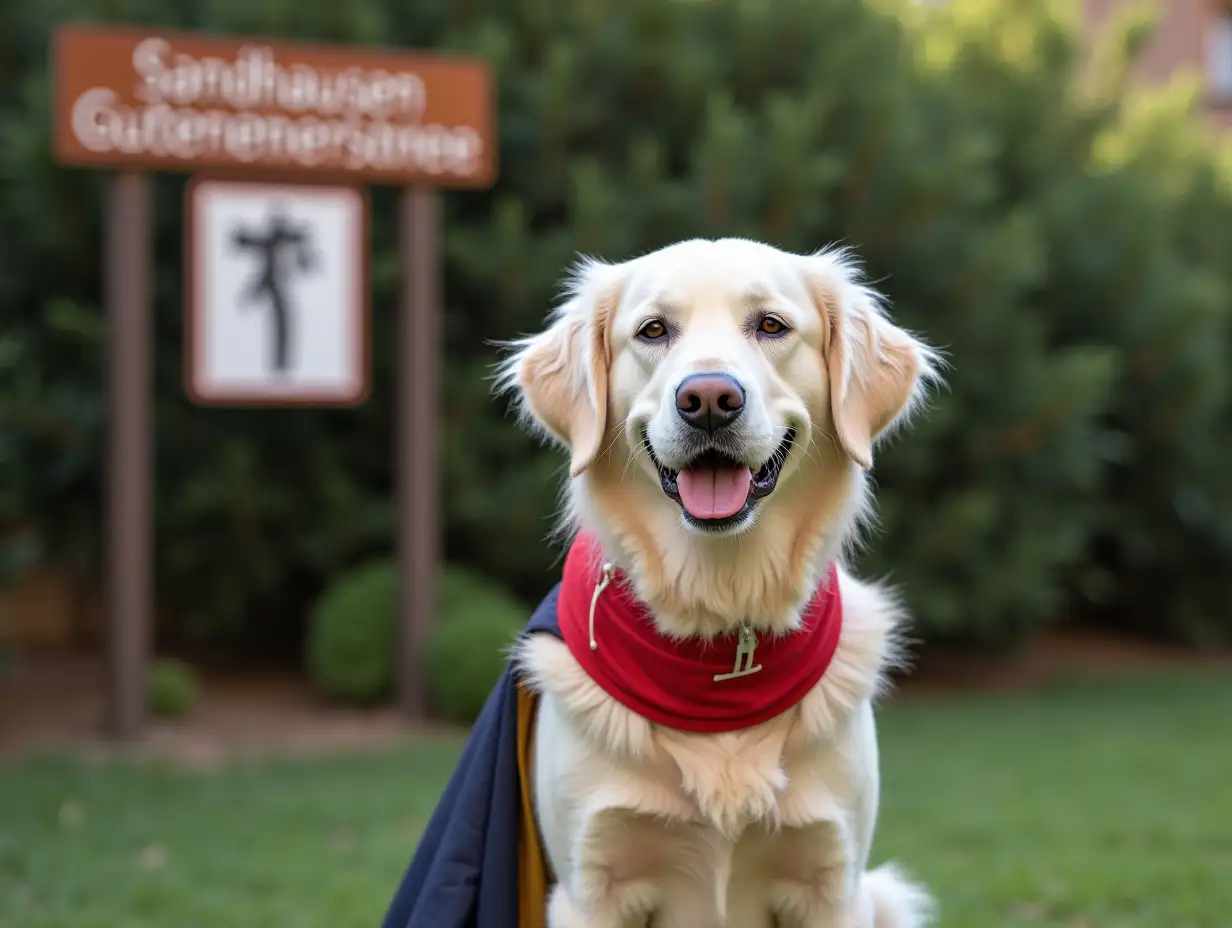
x=715 y=490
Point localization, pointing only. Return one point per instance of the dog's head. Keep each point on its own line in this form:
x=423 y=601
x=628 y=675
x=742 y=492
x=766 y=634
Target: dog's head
x=720 y=401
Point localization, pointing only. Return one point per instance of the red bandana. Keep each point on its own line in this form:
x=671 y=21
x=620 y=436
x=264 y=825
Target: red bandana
x=672 y=681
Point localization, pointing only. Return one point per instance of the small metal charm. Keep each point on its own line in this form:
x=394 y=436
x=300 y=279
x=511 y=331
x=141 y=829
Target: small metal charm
x=744 y=657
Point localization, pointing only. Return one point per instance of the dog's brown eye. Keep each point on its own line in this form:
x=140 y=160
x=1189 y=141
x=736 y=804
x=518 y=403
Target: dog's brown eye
x=652 y=330
x=771 y=326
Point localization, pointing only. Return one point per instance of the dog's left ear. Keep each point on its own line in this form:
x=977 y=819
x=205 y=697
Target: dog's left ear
x=878 y=372
x=561 y=374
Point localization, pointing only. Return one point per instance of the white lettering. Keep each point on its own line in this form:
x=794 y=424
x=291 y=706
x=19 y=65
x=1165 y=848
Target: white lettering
x=342 y=135
x=90 y=119
x=468 y=147
x=149 y=64
x=408 y=93
x=254 y=79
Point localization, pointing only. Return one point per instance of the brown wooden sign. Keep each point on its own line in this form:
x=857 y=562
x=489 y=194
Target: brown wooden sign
x=277 y=255
x=162 y=100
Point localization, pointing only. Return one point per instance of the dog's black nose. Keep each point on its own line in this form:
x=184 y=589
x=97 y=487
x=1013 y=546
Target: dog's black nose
x=709 y=401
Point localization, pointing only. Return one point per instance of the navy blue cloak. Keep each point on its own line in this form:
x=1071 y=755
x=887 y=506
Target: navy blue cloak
x=467 y=868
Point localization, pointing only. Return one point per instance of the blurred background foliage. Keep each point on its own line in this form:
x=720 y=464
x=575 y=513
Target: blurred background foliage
x=1067 y=244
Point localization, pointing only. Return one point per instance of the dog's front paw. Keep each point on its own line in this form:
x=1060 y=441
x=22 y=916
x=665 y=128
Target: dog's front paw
x=562 y=913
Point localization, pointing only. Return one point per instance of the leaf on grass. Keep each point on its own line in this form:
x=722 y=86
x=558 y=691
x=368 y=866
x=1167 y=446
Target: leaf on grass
x=152 y=857
x=71 y=813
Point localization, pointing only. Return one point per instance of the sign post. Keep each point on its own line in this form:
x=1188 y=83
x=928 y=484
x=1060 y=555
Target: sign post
x=417 y=433
x=283 y=137
x=128 y=547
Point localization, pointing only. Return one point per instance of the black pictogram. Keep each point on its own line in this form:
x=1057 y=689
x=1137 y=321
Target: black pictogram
x=282 y=249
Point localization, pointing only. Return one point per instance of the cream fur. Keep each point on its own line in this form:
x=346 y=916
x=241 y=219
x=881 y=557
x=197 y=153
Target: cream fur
x=769 y=827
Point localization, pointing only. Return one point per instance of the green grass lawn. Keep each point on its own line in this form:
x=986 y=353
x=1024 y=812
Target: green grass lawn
x=1103 y=806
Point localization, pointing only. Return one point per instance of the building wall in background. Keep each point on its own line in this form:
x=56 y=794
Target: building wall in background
x=1193 y=36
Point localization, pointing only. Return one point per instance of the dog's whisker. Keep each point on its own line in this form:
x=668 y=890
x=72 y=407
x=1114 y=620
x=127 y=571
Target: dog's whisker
x=632 y=457
x=809 y=453
x=616 y=437
x=831 y=439
x=630 y=462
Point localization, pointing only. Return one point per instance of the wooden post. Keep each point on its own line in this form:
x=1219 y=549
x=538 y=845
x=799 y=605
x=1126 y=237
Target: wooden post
x=418 y=437
x=128 y=270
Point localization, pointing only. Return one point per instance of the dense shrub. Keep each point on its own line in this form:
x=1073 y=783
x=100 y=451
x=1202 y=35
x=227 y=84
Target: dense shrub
x=1069 y=253
x=353 y=635
x=353 y=632
x=171 y=689
x=1133 y=220
x=467 y=652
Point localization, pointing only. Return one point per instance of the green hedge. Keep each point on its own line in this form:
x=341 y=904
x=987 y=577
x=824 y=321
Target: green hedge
x=469 y=647
x=353 y=638
x=1070 y=253
x=172 y=690
x=353 y=635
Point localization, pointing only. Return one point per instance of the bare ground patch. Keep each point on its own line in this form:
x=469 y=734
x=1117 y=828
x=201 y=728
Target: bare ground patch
x=56 y=702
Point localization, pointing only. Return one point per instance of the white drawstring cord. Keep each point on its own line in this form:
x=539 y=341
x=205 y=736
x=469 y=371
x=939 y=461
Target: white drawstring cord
x=608 y=569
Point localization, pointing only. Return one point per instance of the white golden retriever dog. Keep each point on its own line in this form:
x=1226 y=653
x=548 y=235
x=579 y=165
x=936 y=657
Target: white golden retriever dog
x=720 y=402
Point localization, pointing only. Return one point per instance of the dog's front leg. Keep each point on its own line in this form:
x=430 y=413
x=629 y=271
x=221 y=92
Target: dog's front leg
x=881 y=898
x=819 y=905
x=563 y=912
x=817 y=883
x=612 y=877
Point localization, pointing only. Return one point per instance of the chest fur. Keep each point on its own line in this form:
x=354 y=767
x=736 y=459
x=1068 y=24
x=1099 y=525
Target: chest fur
x=711 y=830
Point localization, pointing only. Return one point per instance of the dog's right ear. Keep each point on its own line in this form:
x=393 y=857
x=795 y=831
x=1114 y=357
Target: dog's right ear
x=561 y=374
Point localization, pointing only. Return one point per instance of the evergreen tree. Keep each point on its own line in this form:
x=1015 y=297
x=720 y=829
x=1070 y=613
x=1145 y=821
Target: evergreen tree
x=1067 y=252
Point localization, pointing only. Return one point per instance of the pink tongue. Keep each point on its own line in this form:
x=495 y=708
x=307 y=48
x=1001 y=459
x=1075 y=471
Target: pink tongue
x=714 y=492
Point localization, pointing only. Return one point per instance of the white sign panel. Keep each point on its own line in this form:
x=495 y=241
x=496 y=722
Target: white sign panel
x=277 y=294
